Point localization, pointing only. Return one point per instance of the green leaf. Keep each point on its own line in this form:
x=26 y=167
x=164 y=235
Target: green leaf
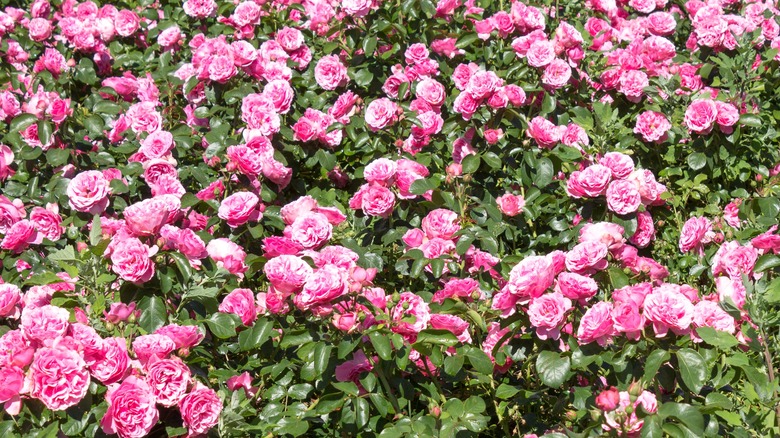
x=349 y=388
x=717 y=338
x=94 y=124
x=153 y=313
x=766 y=261
x=693 y=369
x=369 y=45
x=300 y=391
x=294 y=338
x=544 y=172
x=223 y=325
x=45 y=130
x=256 y=336
x=687 y=414
x=362 y=411
x=772 y=292
x=96 y=233
x=65 y=254
x=381 y=344
x=437 y=337
x=57 y=157
x=453 y=364
x=750 y=120
x=322 y=353
x=470 y=163
x=183 y=265
x=553 y=369
x=618 y=278
x=697 y=160
x=505 y=392
x=654 y=362
x=21 y=122
x=480 y=361
x=421 y=186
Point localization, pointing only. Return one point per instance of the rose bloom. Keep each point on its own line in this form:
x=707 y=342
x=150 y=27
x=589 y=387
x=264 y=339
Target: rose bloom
x=587 y=257
x=596 y=325
x=375 y=200
x=620 y=421
x=311 y=231
x=200 y=409
x=228 y=255
x=154 y=346
x=441 y=223
x=157 y=144
x=287 y=273
x=381 y=113
x=632 y=83
x=240 y=302
x=40 y=29
x=623 y=197
x=575 y=286
x=667 y=308
x=547 y=313
x=147 y=217
x=88 y=192
x=544 y=132
x=200 y=8
x=113 y=361
x=510 y=205
x=627 y=319
x=239 y=208
x=330 y=73
x=410 y=307
x=620 y=164
x=168 y=380
x=144 y=117
x=431 y=91
x=131 y=409
x=45 y=323
x=700 y=115
x=380 y=171
x=695 y=232
x=652 y=126
x=59 y=377
x=556 y=74
x=540 y=53
x=20 y=236
x=732 y=289
x=645 y=230
x=131 y=260
x=323 y=286
x=734 y=259
x=531 y=277
x=454 y=324
x=47 y=222
x=709 y=314
x=10 y=297
x=183 y=336
x=245 y=160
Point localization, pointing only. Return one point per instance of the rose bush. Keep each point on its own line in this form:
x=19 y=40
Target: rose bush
x=425 y=218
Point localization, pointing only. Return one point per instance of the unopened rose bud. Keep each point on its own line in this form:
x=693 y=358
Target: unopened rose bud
x=635 y=389
x=435 y=411
x=71 y=62
x=359 y=274
x=454 y=169
x=109 y=326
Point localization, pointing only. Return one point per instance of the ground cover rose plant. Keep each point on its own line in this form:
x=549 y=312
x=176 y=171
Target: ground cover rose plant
x=414 y=218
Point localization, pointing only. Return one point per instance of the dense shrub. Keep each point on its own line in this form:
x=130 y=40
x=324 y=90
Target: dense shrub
x=367 y=218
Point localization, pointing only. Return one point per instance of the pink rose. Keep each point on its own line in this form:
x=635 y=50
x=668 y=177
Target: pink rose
x=157 y=144
x=200 y=8
x=452 y=323
x=311 y=231
x=627 y=319
x=667 y=308
x=131 y=409
x=556 y=74
x=119 y=312
x=152 y=347
x=547 y=314
x=623 y=197
x=245 y=160
x=88 y=192
x=281 y=94
x=113 y=361
x=144 y=117
x=10 y=297
x=240 y=302
x=45 y=323
x=482 y=84
x=330 y=73
x=441 y=223
x=287 y=273
x=380 y=171
x=147 y=217
x=239 y=208
x=605 y=232
x=695 y=232
x=381 y=113
x=596 y=325
x=700 y=115
x=531 y=277
x=734 y=259
x=544 y=132
x=321 y=287
x=587 y=257
x=376 y=200
x=183 y=336
x=47 y=222
x=728 y=115
x=709 y=314
x=594 y=180
x=510 y=205
x=59 y=377
x=40 y=29
x=131 y=260
x=200 y=409
x=575 y=286
x=289 y=38
x=126 y=22
x=228 y=255
x=11 y=385
x=621 y=165
x=168 y=380
x=652 y=126
x=431 y=91
x=645 y=230
x=608 y=399
x=540 y=53
x=410 y=315
x=10 y=213
x=20 y=236
x=732 y=289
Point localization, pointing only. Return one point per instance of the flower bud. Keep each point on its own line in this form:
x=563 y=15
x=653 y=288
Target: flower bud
x=608 y=400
